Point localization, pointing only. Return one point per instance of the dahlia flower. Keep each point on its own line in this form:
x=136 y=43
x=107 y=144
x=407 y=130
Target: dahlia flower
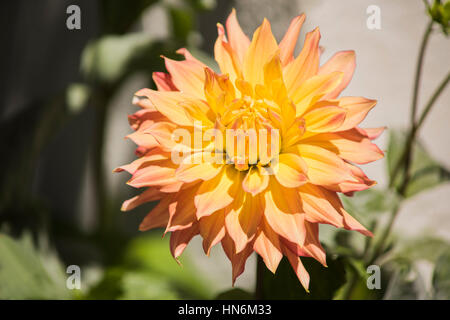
x=270 y=201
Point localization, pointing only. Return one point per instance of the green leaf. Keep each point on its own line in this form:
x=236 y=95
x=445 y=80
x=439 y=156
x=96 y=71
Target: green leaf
x=235 y=294
x=367 y=204
x=424 y=248
x=324 y=283
x=141 y=285
x=108 y=59
x=27 y=272
x=405 y=284
x=441 y=277
x=406 y=280
x=152 y=254
x=426 y=172
x=148 y=271
x=182 y=19
x=109 y=287
x=397 y=142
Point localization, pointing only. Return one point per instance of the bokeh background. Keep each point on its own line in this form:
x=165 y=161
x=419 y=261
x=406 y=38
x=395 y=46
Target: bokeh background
x=64 y=100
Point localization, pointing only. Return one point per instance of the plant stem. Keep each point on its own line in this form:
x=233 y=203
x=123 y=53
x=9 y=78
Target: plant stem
x=405 y=159
x=386 y=232
x=415 y=128
x=418 y=76
x=409 y=146
x=402 y=190
x=419 y=66
x=259 y=289
x=350 y=286
x=432 y=100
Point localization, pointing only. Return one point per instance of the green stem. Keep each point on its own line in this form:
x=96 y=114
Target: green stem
x=404 y=159
x=402 y=190
x=350 y=286
x=415 y=129
x=432 y=100
x=419 y=68
x=417 y=78
x=378 y=249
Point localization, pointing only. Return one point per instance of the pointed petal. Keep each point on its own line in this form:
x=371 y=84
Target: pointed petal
x=191 y=169
x=163 y=81
x=314 y=89
x=358 y=182
x=357 y=109
x=212 y=229
x=312 y=247
x=142 y=119
x=287 y=44
x=159 y=173
x=317 y=206
x=256 y=180
x=343 y=61
x=149 y=195
x=162 y=132
x=238 y=260
x=371 y=133
x=283 y=212
x=242 y=219
x=352 y=224
x=182 y=210
x=187 y=75
x=238 y=40
x=180 y=239
x=305 y=65
x=168 y=104
x=291 y=170
x=226 y=58
x=217 y=193
x=298 y=267
x=151 y=156
x=324 y=167
x=324 y=119
x=350 y=145
x=261 y=50
x=158 y=216
x=267 y=245
x=142 y=139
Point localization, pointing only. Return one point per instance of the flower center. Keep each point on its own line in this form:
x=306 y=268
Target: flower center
x=251 y=137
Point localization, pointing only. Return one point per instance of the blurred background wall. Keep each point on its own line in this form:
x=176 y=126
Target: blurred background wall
x=48 y=151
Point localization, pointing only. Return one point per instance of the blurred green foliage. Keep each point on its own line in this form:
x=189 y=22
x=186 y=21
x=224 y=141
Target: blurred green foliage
x=29 y=272
x=148 y=271
x=126 y=267
x=401 y=277
x=426 y=173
